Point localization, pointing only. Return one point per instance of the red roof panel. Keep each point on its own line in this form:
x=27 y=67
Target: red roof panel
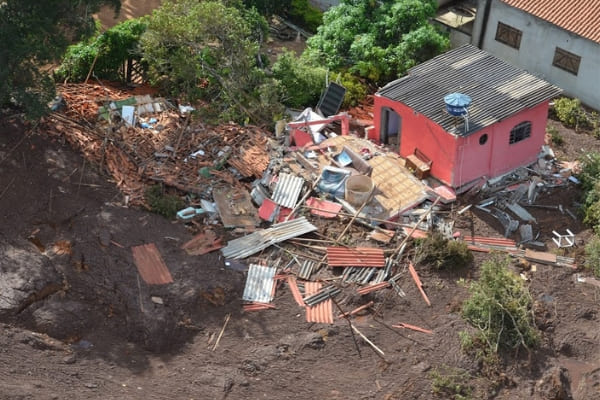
x=355 y=257
x=322 y=312
x=581 y=17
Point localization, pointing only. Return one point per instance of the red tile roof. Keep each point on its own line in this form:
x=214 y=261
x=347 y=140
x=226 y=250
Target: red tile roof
x=581 y=17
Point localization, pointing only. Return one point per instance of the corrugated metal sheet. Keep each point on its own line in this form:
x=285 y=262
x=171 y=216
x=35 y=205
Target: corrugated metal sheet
x=259 y=284
x=295 y=291
x=497 y=88
x=287 y=190
x=306 y=269
x=322 y=312
x=260 y=240
x=581 y=17
x=355 y=257
x=150 y=264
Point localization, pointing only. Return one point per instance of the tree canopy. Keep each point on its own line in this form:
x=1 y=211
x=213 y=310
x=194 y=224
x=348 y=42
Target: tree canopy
x=378 y=40
x=34 y=34
x=207 y=50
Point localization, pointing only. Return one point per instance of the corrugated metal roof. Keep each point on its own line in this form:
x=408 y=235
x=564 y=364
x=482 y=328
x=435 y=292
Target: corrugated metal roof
x=287 y=190
x=259 y=284
x=581 y=17
x=356 y=257
x=150 y=264
x=322 y=312
x=498 y=89
x=260 y=240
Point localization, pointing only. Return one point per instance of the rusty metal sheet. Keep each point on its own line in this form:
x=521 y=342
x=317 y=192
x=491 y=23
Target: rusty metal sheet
x=322 y=312
x=259 y=284
x=203 y=243
x=150 y=264
x=295 y=291
x=287 y=190
x=355 y=257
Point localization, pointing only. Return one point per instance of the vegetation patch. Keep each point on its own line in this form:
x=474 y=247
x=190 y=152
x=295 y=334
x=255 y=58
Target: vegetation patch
x=590 y=183
x=451 y=383
x=162 y=203
x=592 y=255
x=500 y=308
x=442 y=253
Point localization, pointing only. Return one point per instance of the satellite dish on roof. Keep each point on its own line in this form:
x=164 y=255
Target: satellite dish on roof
x=457 y=103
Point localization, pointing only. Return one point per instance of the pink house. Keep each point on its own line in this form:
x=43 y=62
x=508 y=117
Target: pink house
x=502 y=129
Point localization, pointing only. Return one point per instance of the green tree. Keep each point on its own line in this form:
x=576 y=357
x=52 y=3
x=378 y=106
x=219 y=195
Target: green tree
x=35 y=34
x=378 y=40
x=207 y=50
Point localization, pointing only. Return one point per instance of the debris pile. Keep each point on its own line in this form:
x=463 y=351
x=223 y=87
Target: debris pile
x=327 y=214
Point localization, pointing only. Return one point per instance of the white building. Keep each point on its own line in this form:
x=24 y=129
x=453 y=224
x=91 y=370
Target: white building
x=556 y=40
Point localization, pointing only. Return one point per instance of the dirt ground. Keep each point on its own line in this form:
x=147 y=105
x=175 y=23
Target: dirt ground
x=86 y=326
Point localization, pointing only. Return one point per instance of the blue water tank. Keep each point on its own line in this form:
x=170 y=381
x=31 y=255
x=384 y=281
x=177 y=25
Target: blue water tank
x=457 y=103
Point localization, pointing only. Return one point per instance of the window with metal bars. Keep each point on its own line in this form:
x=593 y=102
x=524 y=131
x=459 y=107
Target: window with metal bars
x=508 y=35
x=520 y=132
x=566 y=60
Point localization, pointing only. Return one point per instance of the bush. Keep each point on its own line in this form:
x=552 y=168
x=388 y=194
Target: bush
x=592 y=256
x=442 y=253
x=306 y=15
x=500 y=308
x=356 y=90
x=161 y=203
x=555 y=136
x=109 y=50
x=302 y=83
x=569 y=112
x=590 y=182
x=451 y=383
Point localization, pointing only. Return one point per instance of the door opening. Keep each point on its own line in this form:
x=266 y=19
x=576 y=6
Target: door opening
x=391 y=127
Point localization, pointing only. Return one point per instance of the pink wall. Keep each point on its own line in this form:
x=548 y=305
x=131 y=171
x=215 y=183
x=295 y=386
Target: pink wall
x=460 y=160
x=419 y=132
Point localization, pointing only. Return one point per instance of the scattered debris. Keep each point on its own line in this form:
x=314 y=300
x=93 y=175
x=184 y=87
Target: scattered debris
x=412 y=327
x=415 y=277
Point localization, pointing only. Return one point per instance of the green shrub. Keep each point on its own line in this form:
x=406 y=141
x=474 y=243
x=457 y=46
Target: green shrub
x=162 y=203
x=592 y=255
x=301 y=82
x=569 y=112
x=590 y=183
x=109 y=50
x=500 y=308
x=442 y=253
x=356 y=90
x=306 y=15
x=451 y=383
x=555 y=136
